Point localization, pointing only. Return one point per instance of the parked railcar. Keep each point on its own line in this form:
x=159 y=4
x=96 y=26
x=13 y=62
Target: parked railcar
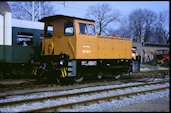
x=20 y=40
x=26 y=41
x=74 y=51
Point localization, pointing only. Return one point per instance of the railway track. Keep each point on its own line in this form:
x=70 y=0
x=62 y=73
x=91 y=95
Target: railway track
x=152 y=74
x=149 y=72
x=77 y=94
x=144 y=76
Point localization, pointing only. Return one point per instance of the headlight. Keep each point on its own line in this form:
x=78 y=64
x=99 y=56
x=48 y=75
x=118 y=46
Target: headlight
x=61 y=62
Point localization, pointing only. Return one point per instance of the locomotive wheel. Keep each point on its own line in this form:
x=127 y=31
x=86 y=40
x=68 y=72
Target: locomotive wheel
x=58 y=80
x=100 y=75
x=129 y=72
x=18 y=71
x=117 y=76
x=40 y=75
x=29 y=71
x=79 y=78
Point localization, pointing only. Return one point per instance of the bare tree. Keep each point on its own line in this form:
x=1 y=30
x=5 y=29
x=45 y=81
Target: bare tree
x=123 y=30
x=23 y=10
x=162 y=27
x=103 y=15
x=141 y=22
x=153 y=27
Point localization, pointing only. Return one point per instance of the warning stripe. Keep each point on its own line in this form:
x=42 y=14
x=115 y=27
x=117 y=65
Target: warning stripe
x=34 y=71
x=64 y=72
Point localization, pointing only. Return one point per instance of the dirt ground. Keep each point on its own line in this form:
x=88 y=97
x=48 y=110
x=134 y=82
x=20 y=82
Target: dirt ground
x=158 y=105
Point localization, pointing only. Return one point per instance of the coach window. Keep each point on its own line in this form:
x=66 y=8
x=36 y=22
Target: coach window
x=91 y=29
x=41 y=36
x=83 y=28
x=49 y=31
x=24 y=39
x=68 y=29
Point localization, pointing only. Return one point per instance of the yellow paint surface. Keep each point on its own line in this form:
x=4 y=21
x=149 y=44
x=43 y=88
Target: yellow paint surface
x=85 y=46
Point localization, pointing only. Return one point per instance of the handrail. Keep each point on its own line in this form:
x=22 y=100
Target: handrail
x=44 y=47
x=64 y=45
x=72 y=46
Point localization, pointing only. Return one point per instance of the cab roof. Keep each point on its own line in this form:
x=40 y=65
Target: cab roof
x=51 y=18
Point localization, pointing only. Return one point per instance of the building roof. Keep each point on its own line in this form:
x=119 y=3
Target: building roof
x=51 y=18
x=156 y=45
x=4 y=7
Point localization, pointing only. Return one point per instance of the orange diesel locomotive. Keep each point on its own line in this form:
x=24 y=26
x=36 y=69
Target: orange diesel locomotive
x=74 y=51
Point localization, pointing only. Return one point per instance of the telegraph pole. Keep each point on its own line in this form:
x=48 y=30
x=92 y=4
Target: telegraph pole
x=64 y=3
x=33 y=11
x=39 y=10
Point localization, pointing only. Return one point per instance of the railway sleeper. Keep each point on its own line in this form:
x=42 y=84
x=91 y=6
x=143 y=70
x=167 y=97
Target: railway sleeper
x=87 y=103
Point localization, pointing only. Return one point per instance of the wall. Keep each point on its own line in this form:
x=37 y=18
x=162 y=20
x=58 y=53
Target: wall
x=148 y=56
x=5 y=29
x=8 y=29
x=1 y=29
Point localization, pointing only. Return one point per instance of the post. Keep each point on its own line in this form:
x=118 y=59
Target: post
x=39 y=10
x=33 y=11
x=64 y=3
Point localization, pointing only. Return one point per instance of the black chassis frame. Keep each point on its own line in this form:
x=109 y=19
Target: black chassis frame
x=106 y=66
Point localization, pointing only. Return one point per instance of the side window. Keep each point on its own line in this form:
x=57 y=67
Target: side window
x=91 y=29
x=83 y=28
x=24 y=39
x=68 y=29
x=49 y=31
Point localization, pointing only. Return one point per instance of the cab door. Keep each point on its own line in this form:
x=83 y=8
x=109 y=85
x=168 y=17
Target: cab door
x=47 y=42
x=86 y=41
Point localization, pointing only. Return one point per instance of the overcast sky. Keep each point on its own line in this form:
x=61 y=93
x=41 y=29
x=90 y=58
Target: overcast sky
x=78 y=8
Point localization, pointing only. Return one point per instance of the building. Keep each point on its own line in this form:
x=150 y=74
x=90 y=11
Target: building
x=5 y=24
x=147 y=50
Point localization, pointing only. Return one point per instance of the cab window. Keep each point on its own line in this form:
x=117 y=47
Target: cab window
x=91 y=29
x=83 y=28
x=68 y=29
x=48 y=31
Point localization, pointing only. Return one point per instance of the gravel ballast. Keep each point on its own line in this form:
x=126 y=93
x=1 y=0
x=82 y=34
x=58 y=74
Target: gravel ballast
x=95 y=107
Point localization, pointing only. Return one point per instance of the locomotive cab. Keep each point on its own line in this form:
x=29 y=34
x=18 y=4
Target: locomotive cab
x=60 y=37
x=66 y=30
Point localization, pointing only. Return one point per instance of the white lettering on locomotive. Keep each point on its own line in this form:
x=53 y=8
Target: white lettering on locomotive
x=86 y=46
x=89 y=63
x=86 y=51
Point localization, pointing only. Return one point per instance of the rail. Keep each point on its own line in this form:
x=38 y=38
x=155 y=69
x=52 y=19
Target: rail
x=94 y=100
x=2 y=104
